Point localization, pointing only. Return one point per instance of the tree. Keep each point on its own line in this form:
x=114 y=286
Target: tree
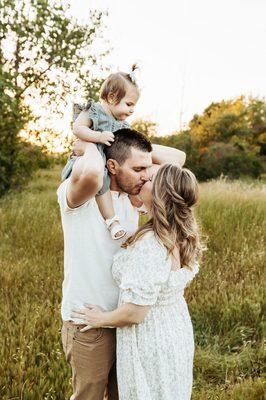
x=228 y=138
x=241 y=120
x=226 y=159
x=43 y=51
x=149 y=128
x=256 y=118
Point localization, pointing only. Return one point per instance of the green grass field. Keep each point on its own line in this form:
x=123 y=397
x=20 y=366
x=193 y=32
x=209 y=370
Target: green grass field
x=226 y=301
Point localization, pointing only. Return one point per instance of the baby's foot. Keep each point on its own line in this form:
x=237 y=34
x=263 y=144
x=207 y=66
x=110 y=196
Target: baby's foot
x=116 y=230
x=119 y=234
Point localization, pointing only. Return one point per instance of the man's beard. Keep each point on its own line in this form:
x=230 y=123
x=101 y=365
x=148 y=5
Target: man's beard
x=126 y=187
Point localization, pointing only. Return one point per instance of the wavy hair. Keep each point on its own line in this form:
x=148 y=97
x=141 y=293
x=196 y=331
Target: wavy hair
x=174 y=192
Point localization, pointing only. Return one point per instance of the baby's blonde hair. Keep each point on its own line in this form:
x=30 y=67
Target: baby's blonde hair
x=174 y=192
x=116 y=84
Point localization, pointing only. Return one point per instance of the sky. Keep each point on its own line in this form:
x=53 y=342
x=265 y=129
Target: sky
x=190 y=52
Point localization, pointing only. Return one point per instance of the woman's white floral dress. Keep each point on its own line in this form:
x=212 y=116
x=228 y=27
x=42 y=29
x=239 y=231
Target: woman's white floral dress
x=154 y=358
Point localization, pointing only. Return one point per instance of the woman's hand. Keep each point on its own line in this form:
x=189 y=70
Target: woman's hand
x=92 y=315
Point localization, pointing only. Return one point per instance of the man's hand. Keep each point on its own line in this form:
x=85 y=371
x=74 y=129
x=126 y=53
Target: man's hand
x=106 y=138
x=167 y=155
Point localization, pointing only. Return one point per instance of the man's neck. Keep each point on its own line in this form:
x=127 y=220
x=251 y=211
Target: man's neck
x=114 y=186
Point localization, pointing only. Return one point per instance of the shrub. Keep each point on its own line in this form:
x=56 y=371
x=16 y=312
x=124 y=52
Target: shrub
x=29 y=158
x=227 y=159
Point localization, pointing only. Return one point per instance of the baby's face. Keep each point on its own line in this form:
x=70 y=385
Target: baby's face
x=126 y=107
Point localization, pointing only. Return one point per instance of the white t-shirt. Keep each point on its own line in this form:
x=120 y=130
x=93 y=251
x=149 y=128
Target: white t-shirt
x=89 y=251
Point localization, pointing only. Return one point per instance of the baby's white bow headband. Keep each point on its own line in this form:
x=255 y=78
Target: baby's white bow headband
x=132 y=76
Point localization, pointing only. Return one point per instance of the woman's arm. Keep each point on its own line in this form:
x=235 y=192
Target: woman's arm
x=82 y=129
x=126 y=314
x=164 y=155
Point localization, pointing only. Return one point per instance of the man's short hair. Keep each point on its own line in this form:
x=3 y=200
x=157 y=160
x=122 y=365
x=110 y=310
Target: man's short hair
x=120 y=150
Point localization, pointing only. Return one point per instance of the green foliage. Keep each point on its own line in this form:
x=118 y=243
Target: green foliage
x=29 y=158
x=222 y=122
x=147 y=127
x=42 y=51
x=229 y=138
x=226 y=159
x=226 y=300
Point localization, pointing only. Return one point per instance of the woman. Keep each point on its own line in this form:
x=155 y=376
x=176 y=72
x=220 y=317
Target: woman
x=155 y=345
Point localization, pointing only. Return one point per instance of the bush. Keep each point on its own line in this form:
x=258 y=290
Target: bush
x=226 y=159
x=218 y=159
x=28 y=159
x=228 y=138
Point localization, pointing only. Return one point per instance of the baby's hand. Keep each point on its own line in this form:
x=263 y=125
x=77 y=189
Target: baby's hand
x=107 y=138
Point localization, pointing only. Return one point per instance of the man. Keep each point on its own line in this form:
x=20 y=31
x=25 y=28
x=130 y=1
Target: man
x=89 y=251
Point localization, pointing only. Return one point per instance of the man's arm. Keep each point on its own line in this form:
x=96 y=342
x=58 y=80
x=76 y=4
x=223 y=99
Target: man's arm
x=86 y=177
x=164 y=155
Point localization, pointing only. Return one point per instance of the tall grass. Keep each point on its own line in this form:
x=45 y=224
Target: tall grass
x=226 y=301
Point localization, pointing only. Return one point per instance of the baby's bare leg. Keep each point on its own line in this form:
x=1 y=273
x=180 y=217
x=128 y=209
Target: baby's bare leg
x=105 y=204
x=106 y=207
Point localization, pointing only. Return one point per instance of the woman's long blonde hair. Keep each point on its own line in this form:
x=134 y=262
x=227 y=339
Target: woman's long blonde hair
x=174 y=192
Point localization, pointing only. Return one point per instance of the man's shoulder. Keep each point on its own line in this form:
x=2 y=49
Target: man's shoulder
x=62 y=188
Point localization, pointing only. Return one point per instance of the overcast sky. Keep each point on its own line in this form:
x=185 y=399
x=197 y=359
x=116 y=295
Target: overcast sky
x=191 y=52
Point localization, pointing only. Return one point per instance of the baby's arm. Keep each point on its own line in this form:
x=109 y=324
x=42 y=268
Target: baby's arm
x=82 y=129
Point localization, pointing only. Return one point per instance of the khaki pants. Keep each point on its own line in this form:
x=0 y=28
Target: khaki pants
x=91 y=355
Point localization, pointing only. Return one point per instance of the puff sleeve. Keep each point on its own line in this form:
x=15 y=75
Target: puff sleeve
x=93 y=114
x=184 y=276
x=145 y=268
x=126 y=125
